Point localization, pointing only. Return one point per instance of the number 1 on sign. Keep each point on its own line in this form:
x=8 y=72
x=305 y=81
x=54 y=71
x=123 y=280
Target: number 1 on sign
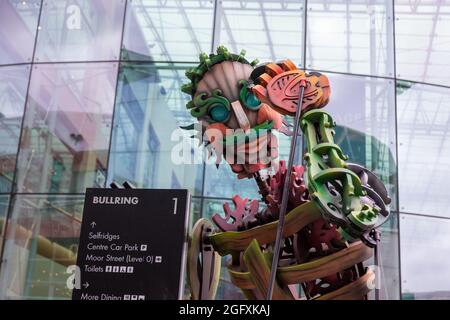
x=175 y=202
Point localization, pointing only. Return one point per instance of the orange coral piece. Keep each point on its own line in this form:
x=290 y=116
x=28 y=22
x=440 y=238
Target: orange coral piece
x=264 y=79
x=288 y=65
x=273 y=69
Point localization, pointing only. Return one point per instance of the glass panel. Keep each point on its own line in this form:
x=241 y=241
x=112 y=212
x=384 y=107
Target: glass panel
x=4 y=202
x=222 y=182
x=268 y=30
x=150 y=107
x=67 y=125
x=422 y=41
x=13 y=88
x=364 y=110
x=196 y=213
x=350 y=36
x=167 y=30
x=18 y=25
x=213 y=206
x=80 y=31
x=41 y=242
x=425 y=264
x=424 y=148
x=226 y=289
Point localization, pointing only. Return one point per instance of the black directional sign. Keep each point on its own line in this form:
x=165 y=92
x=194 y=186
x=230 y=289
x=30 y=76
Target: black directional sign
x=132 y=244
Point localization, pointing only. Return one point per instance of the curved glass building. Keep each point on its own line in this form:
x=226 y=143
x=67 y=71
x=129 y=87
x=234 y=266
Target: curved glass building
x=90 y=94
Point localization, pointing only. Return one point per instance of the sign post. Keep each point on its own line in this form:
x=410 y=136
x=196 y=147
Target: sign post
x=132 y=244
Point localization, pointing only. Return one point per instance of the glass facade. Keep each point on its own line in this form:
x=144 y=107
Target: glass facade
x=66 y=128
x=79 y=31
x=90 y=94
x=40 y=242
x=350 y=36
x=148 y=109
x=19 y=22
x=13 y=90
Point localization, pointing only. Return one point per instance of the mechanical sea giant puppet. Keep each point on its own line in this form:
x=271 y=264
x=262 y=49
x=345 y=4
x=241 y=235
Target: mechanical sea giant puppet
x=318 y=222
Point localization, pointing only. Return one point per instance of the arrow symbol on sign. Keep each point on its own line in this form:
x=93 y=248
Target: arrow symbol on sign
x=93 y=224
x=85 y=285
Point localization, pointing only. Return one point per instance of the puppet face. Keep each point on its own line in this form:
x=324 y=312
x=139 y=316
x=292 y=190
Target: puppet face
x=227 y=107
x=224 y=95
x=238 y=105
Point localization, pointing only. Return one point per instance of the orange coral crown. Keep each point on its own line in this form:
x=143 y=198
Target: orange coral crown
x=278 y=85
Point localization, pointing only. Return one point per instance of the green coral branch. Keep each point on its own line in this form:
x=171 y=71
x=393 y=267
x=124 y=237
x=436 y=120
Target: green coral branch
x=326 y=165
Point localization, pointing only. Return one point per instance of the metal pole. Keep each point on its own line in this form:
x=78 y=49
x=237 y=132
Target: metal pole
x=377 y=261
x=377 y=290
x=285 y=196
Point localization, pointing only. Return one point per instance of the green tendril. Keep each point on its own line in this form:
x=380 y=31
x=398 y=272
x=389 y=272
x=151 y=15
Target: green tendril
x=247 y=97
x=243 y=91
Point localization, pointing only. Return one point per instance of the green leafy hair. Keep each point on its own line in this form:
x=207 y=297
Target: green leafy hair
x=195 y=74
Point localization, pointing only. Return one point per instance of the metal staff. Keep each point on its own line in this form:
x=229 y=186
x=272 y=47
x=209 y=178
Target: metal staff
x=285 y=196
x=377 y=261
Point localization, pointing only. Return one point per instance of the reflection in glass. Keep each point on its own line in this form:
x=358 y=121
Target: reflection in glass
x=40 y=243
x=422 y=34
x=425 y=262
x=424 y=148
x=80 y=31
x=150 y=107
x=13 y=86
x=350 y=36
x=4 y=202
x=213 y=206
x=167 y=30
x=196 y=204
x=226 y=289
x=364 y=111
x=267 y=30
x=18 y=25
x=222 y=182
x=67 y=128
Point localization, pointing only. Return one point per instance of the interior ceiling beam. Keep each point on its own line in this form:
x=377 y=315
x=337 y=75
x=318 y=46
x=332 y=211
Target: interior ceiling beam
x=339 y=11
x=159 y=40
x=188 y=24
x=227 y=26
x=267 y=31
x=420 y=94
